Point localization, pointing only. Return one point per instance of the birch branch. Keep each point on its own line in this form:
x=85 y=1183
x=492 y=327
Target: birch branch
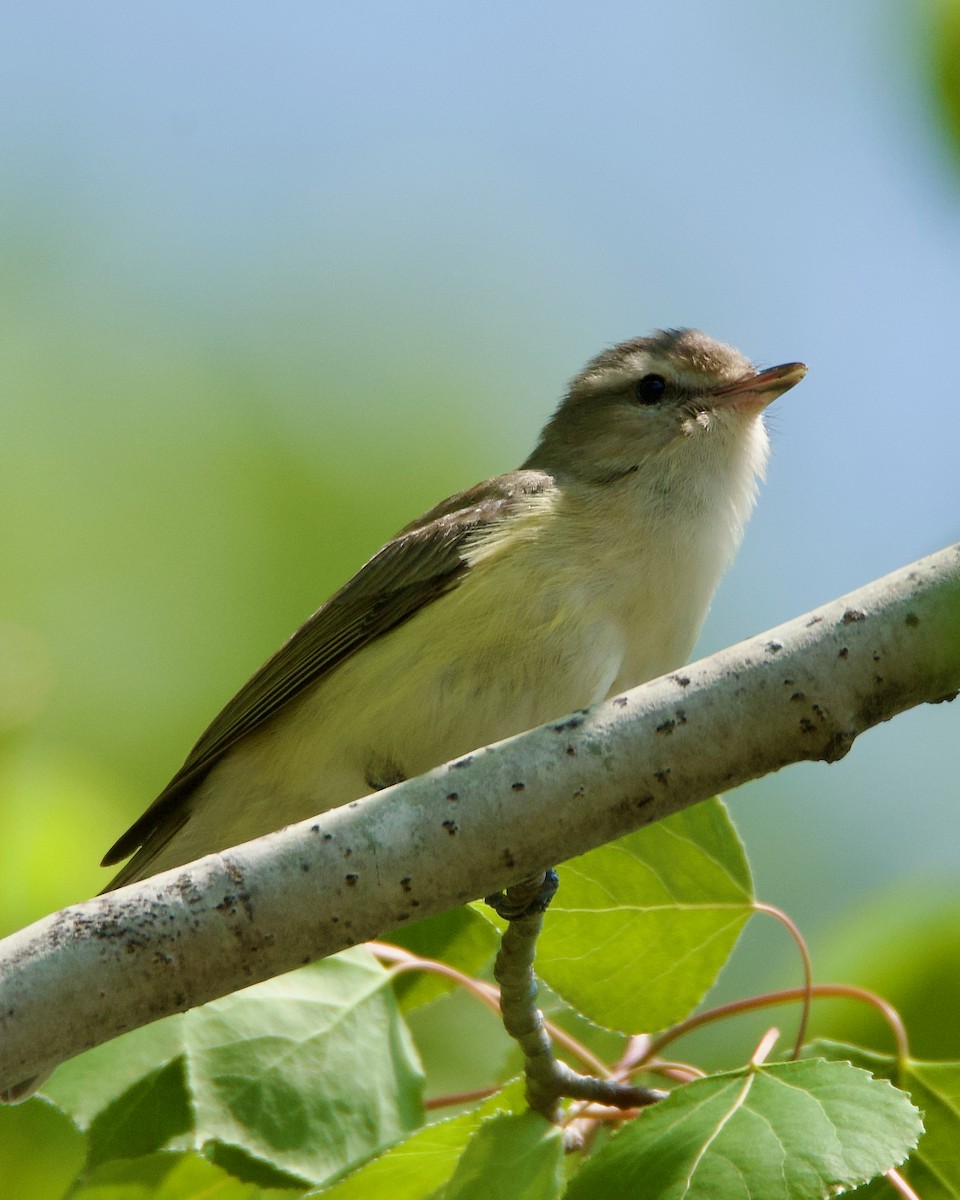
x=802 y=691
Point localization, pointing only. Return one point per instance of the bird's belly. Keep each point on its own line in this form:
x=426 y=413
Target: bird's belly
x=418 y=704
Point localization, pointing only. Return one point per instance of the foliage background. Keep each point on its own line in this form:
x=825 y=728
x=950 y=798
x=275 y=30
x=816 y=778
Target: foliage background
x=276 y=278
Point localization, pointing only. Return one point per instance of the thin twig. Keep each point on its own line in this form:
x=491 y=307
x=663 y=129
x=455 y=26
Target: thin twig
x=548 y=1080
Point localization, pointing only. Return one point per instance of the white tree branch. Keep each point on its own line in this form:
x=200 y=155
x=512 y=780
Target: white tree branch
x=802 y=691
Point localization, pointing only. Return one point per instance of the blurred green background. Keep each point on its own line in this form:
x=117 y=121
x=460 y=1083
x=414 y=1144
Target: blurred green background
x=277 y=277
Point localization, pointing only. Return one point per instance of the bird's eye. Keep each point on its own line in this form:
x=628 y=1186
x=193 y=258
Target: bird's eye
x=650 y=389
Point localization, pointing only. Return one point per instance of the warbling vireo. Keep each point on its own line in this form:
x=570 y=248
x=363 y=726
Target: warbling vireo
x=585 y=572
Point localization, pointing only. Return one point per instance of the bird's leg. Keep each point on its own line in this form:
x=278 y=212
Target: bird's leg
x=548 y=1080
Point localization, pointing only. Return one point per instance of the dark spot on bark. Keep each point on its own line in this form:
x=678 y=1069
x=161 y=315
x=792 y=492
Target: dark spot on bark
x=662 y=776
x=453 y=795
x=314 y=828
x=414 y=903
x=806 y=725
x=305 y=867
x=461 y=762
x=843 y=652
x=682 y=680
x=571 y=750
x=813 y=621
x=517 y=787
x=788 y=683
x=405 y=882
x=667 y=727
x=818 y=711
x=797 y=696
x=328 y=837
x=351 y=880
x=451 y=827
x=334 y=920
x=508 y=859
x=681 y=716
x=851 y=615
x=878 y=679
x=348 y=852
x=912 y=620
x=578 y=793
x=621 y=701
x=774 y=647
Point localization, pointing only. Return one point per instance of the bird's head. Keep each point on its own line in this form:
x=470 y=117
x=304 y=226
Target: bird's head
x=677 y=405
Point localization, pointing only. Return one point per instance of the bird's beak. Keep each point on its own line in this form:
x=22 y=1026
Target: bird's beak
x=759 y=390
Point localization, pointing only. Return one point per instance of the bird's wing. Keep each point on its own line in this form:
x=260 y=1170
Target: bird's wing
x=420 y=564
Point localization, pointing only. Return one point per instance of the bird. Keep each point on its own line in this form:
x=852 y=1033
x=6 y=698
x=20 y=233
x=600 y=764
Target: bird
x=586 y=571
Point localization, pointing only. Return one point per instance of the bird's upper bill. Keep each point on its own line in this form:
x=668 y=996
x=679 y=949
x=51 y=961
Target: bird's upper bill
x=760 y=389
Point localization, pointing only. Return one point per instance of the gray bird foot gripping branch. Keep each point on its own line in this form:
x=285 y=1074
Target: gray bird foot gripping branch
x=548 y=1080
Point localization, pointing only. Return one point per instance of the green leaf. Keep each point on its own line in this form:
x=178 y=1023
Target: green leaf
x=147 y=1117
x=934 y=1167
x=416 y=1167
x=511 y=1157
x=640 y=929
x=333 y=1084
x=169 y=1177
x=299 y=1078
x=789 y=1131
x=460 y=938
x=41 y=1151
x=86 y=1085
